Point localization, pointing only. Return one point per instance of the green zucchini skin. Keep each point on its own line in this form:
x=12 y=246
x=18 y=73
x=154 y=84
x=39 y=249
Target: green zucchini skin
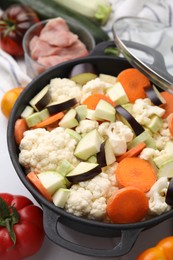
x=47 y=9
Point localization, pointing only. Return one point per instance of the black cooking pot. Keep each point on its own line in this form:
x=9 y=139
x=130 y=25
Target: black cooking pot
x=53 y=215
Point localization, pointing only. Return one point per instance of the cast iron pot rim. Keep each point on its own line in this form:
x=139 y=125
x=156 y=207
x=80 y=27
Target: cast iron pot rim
x=39 y=198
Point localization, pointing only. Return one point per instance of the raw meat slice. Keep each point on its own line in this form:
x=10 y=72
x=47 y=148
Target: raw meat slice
x=52 y=60
x=39 y=48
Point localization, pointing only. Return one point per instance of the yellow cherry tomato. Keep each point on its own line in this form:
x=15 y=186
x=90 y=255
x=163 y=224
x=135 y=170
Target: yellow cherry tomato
x=9 y=99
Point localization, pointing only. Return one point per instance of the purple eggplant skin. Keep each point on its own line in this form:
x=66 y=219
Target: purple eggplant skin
x=137 y=128
x=85 y=175
x=42 y=103
x=169 y=194
x=59 y=107
x=101 y=158
x=82 y=68
x=151 y=94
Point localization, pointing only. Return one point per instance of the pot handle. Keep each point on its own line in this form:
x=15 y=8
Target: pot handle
x=100 y=48
x=51 y=220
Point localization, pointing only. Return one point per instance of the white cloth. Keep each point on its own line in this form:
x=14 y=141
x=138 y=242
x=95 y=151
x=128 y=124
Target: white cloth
x=12 y=75
x=155 y=10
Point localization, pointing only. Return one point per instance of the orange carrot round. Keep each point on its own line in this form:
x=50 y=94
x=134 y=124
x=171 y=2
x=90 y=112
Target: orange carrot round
x=127 y=205
x=50 y=120
x=132 y=152
x=168 y=106
x=133 y=82
x=92 y=101
x=135 y=172
x=19 y=128
x=32 y=177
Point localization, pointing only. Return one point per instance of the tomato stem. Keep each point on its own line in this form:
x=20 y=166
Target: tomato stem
x=9 y=216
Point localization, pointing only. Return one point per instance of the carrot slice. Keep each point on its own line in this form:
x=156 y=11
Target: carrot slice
x=19 y=128
x=92 y=101
x=127 y=205
x=132 y=152
x=133 y=82
x=168 y=106
x=32 y=177
x=135 y=172
x=50 y=120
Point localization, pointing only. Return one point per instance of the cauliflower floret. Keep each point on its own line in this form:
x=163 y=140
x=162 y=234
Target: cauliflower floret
x=94 y=86
x=85 y=126
x=63 y=89
x=89 y=198
x=149 y=153
x=79 y=201
x=118 y=133
x=156 y=195
x=143 y=110
x=41 y=150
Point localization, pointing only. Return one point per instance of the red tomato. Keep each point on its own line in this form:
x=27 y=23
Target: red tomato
x=25 y=221
x=14 y=22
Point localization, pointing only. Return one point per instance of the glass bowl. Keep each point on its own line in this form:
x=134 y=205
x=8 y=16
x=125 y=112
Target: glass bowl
x=33 y=67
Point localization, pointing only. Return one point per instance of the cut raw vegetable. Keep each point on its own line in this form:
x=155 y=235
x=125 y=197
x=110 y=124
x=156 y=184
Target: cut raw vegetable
x=155 y=124
x=19 y=128
x=168 y=106
x=92 y=101
x=65 y=167
x=139 y=139
x=106 y=155
x=137 y=128
x=73 y=134
x=28 y=111
x=51 y=180
x=128 y=107
x=83 y=78
x=127 y=205
x=105 y=111
x=32 y=177
x=81 y=111
x=60 y=197
x=49 y=120
x=69 y=120
x=133 y=82
x=162 y=159
x=37 y=117
x=55 y=107
x=83 y=171
x=169 y=194
x=166 y=170
x=82 y=68
x=108 y=78
x=92 y=159
x=92 y=116
x=89 y=145
x=132 y=152
x=117 y=94
x=135 y=172
x=169 y=148
x=154 y=95
x=41 y=100
x=170 y=124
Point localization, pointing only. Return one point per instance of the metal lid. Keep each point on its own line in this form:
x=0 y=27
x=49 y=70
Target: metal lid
x=148 y=46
